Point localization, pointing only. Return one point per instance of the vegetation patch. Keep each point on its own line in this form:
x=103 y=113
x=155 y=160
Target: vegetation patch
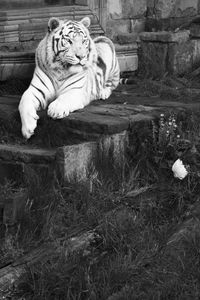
x=146 y=226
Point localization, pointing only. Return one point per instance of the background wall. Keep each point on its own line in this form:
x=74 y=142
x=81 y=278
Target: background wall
x=125 y=17
x=172 y=8
x=133 y=16
x=170 y=14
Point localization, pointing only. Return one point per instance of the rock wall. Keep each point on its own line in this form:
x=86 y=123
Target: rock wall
x=170 y=14
x=125 y=17
x=172 y=8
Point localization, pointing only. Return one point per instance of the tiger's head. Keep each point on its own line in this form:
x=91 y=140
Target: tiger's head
x=69 y=42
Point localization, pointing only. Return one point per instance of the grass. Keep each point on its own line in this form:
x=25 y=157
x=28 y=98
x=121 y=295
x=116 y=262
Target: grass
x=147 y=230
x=146 y=225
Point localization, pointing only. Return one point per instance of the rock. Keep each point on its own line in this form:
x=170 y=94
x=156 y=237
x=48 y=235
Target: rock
x=167 y=53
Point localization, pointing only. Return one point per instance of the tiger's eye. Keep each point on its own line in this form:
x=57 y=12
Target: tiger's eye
x=67 y=41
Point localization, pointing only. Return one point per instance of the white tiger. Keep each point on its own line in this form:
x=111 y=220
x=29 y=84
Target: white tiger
x=71 y=71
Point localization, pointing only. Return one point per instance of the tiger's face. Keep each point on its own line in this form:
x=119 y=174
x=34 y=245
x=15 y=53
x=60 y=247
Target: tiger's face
x=70 y=41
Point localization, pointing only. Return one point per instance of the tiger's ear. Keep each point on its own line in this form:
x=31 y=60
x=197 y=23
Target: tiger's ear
x=86 y=22
x=53 y=24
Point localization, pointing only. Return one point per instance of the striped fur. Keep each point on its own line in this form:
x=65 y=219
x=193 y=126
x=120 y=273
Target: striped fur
x=71 y=71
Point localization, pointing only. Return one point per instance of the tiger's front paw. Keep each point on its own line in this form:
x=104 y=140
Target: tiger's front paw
x=58 y=110
x=28 y=126
x=105 y=93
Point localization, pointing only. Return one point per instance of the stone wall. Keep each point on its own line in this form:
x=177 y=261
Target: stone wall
x=173 y=8
x=125 y=17
x=170 y=43
x=170 y=14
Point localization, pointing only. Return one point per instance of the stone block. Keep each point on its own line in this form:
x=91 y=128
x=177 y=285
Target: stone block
x=17 y=163
x=121 y=26
x=119 y=9
x=152 y=59
x=12 y=37
x=167 y=52
x=73 y=163
x=111 y=153
x=114 y=9
x=180 y=57
x=128 y=63
x=166 y=36
x=137 y=25
x=25 y=154
x=133 y=9
x=91 y=125
x=81 y=162
x=196 y=54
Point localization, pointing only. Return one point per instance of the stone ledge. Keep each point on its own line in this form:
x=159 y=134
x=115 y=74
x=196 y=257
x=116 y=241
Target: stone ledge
x=22 y=29
x=108 y=124
x=165 y=36
x=26 y=154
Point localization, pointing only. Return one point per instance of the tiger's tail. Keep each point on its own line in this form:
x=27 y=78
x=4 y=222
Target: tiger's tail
x=108 y=65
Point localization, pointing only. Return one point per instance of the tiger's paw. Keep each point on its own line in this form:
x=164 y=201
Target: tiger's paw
x=58 y=110
x=105 y=93
x=28 y=126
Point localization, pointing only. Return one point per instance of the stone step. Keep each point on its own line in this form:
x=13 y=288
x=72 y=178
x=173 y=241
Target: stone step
x=23 y=29
x=88 y=143
x=6 y=17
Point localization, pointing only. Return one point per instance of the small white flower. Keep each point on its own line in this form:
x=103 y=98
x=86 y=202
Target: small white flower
x=179 y=169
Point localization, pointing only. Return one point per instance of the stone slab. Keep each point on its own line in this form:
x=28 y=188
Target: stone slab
x=165 y=36
x=108 y=123
x=26 y=154
x=90 y=161
x=103 y=118
x=95 y=123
